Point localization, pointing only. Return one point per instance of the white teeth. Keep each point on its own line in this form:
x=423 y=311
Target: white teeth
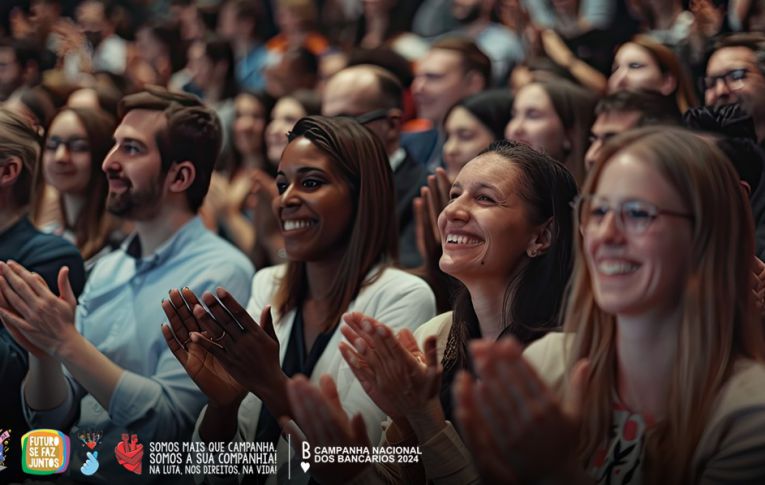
x=611 y=268
x=297 y=224
x=460 y=239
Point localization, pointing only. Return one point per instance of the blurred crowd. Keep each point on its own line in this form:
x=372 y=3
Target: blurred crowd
x=371 y=165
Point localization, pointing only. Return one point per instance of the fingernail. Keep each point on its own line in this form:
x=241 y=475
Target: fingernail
x=381 y=331
x=366 y=325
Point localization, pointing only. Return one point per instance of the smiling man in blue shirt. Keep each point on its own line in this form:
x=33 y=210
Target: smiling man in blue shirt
x=106 y=365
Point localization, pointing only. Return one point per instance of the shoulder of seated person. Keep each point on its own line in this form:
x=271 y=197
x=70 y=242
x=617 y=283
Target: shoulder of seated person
x=398 y=279
x=440 y=325
x=267 y=279
x=548 y=356
x=745 y=388
x=45 y=247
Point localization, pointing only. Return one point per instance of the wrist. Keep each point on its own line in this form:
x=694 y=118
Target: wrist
x=399 y=431
x=275 y=398
x=223 y=409
x=69 y=346
x=428 y=420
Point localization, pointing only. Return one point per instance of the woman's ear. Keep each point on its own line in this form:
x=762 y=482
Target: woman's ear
x=10 y=169
x=181 y=176
x=541 y=240
x=668 y=85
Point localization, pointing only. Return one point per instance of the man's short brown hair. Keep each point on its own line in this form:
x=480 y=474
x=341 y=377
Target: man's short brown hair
x=193 y=133
x=473 y=58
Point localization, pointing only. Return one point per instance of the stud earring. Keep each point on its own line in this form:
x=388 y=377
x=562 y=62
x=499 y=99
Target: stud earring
x=532 y=253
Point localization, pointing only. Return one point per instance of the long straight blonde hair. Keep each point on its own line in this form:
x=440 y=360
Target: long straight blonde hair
x=718 y=322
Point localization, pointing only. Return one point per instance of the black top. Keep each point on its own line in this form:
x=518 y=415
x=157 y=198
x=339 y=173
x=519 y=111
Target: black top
x=44 y=254
x=297 y=360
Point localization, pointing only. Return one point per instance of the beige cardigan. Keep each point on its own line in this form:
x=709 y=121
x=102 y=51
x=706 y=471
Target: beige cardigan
x=731 y=450
x=732 y=447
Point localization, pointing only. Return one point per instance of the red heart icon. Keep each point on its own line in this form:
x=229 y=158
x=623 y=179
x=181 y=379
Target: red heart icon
x=91 y=444
x=129 y=454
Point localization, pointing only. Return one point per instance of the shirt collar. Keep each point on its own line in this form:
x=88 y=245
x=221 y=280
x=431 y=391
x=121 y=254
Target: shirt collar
x=188 y=232
x=397 y=158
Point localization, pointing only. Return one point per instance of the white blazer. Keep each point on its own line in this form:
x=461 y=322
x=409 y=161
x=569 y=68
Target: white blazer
x=398 y=299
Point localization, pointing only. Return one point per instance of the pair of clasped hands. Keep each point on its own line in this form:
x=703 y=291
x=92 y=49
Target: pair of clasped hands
x=507 y=414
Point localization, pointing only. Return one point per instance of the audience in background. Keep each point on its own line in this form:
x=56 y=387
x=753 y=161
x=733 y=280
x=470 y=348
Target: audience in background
x=554 y=117
x=643 y=63
x=76 y=144
x=413 y=93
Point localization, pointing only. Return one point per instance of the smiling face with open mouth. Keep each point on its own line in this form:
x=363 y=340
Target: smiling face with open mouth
x=634 y=273
x=314 y=208
x=485 y=228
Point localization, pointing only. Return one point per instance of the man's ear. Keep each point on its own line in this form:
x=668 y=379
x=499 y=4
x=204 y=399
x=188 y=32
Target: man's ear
x=10 y=170
x=181 y=176
x=541 y=240
x=394 y=121
x=475 y=82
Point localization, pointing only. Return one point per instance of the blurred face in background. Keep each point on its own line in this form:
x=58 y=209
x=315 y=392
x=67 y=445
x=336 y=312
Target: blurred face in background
x=249 y=124
x=10 y=72
x=466 y=137
x=738 y=79
x=536 y=123
x=438 y=84
x=635 y=68
x=285 y=114
x=66 y=157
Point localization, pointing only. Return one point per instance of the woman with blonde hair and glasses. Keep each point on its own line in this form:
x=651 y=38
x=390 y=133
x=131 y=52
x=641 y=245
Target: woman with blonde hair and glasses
x=658 y=376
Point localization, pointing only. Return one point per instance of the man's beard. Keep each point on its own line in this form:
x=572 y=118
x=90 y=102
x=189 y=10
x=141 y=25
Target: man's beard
x=136 y=205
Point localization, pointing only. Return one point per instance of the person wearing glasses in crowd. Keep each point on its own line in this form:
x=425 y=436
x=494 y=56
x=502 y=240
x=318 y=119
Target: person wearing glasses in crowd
x=374 y=97
x=101 y=363
x=660 y=320
x=76 y=144
x=736 y=74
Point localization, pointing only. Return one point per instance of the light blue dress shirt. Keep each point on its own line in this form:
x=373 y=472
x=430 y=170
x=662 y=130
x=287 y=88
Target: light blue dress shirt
x=120 y=313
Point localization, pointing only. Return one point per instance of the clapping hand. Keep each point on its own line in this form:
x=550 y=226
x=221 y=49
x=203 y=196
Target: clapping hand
x=40 y=321
x=400 y=378
x=321 y=418
x=201 y=365
x=247 y=351
x=518 y=431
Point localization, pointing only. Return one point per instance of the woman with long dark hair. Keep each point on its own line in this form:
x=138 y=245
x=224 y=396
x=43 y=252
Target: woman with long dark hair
x=335 y=210
x=506 y=236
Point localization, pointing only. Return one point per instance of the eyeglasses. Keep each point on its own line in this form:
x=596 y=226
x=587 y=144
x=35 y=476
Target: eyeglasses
x=632 y=216
x=733 y=79
x=73 y=145
x=369 y=116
